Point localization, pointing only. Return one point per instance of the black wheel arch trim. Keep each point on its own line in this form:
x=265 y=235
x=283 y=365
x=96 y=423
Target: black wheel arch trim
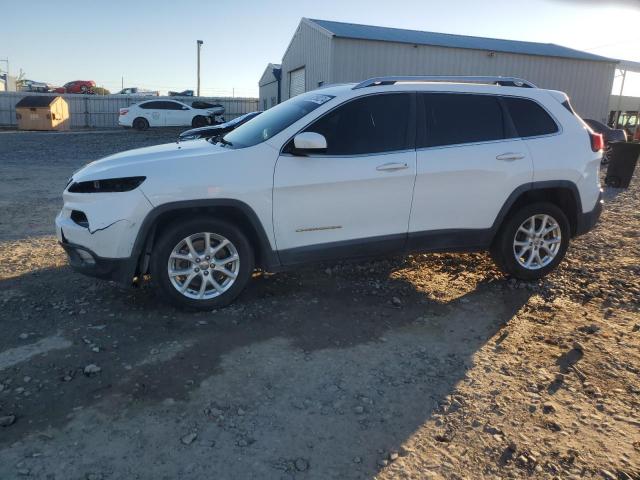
x=532 y=186
x=138 y=261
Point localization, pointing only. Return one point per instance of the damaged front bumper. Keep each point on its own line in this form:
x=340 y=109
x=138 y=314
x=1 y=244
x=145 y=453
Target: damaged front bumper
x=86 y=261
x=98 y=232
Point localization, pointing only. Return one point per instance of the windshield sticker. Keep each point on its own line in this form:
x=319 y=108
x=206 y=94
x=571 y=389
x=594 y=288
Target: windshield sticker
x=319 y=99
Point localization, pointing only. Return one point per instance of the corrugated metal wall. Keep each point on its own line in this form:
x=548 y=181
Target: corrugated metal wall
x=309 y=48
x=97 y=111
x=624 y=103
x=587 y=83
x=268 y=93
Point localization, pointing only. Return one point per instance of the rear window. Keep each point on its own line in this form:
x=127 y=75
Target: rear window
x=161 y=105
x=151 y=105
x=171 y=106
x=529 y=118
x=453 y=119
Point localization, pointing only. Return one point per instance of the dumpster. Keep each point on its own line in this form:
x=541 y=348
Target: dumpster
x=622 y=162
x=42 y=112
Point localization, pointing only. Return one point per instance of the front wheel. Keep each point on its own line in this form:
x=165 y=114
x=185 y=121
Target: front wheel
x=199 y=121
x=202 y=264
x=532 y=242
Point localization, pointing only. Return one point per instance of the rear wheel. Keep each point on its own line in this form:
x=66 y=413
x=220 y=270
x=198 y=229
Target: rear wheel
x=199 y=121
x=141 y=124
x=202 y=264
x=532 y=242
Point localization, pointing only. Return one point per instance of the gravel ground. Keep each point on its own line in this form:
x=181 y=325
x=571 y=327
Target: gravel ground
x=431 y=366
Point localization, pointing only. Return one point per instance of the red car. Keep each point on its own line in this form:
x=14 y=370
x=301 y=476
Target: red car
x=77 y=86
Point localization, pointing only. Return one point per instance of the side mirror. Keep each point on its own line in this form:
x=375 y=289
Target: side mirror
x=309 y=142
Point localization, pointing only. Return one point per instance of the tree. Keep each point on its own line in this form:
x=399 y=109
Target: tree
x=101 y=91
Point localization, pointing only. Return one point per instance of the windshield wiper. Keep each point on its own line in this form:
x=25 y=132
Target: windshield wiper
x=225 y=142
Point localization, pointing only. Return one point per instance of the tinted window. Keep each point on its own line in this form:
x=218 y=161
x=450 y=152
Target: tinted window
x=529 y=118
x=372 y=124
x=451 y=119
x=171 y=106
x=151 y=105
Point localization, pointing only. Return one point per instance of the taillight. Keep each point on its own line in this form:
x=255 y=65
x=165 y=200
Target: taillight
x=597 y=141
x=124 y=111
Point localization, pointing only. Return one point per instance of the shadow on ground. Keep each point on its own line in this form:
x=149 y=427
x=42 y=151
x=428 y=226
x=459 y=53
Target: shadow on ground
x=325 y=368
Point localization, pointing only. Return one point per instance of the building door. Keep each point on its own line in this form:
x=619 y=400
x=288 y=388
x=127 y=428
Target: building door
x=297 y=82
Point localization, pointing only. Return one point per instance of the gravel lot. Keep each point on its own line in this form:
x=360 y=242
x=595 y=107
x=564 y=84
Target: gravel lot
x=431 y=366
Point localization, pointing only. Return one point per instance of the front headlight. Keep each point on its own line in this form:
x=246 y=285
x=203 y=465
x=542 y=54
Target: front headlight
x=109 y=185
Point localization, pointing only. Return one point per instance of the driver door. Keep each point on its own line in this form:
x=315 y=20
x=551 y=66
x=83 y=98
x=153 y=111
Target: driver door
x=355 y=198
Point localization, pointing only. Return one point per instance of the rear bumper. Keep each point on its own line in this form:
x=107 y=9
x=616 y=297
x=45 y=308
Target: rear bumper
x=586 y=221
x=85 y=261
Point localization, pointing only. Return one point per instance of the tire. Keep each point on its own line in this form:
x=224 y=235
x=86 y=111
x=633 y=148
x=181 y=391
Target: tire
x=141 y=124
x=513 y=248
x=199 y=121
x=612 y=181
x=225 y=289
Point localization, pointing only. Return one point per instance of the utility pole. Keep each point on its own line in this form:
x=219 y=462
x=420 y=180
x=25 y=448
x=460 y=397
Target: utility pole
x=199 y=44
x=122 y=84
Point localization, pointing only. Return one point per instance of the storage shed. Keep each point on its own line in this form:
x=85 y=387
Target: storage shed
x=42 y=112
x=323 y=52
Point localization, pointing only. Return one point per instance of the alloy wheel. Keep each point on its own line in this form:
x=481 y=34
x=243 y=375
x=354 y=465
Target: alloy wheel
x=537 y=241
x=203 y=265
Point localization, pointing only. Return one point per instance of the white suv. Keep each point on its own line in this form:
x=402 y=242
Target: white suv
x=393 y=164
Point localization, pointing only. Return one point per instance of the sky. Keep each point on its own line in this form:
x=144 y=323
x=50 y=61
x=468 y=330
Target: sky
x=152 y=44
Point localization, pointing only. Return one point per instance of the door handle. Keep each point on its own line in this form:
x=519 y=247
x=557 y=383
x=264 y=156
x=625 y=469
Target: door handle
x=390 y=167
x=510 y=156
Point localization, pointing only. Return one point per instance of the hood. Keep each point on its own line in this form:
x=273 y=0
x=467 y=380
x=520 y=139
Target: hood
x=143 y=161
x=200 y=131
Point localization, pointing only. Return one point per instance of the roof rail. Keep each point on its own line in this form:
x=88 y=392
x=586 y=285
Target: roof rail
x=502 y=81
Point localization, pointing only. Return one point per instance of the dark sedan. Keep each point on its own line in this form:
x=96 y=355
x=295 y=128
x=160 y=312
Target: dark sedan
x=217 y=130
x=609 y=134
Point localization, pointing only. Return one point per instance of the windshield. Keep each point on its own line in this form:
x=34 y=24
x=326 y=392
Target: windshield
x=274 y=120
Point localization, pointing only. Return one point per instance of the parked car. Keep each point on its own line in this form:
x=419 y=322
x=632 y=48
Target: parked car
x=166 y=113
x=217 y=130
x=138 y=92
x=77 y=86
x=33 y=86
x=184 y=93
x=378 y=168
x=609 y=134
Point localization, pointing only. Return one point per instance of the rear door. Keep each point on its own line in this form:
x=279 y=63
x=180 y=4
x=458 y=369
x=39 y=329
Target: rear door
x=354 y=199
x=154 y=113
x=177 y=114
x=468 y=163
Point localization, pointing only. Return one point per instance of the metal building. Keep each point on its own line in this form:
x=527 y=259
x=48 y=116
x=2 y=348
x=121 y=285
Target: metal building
x=323 y=52
x=269 y=87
